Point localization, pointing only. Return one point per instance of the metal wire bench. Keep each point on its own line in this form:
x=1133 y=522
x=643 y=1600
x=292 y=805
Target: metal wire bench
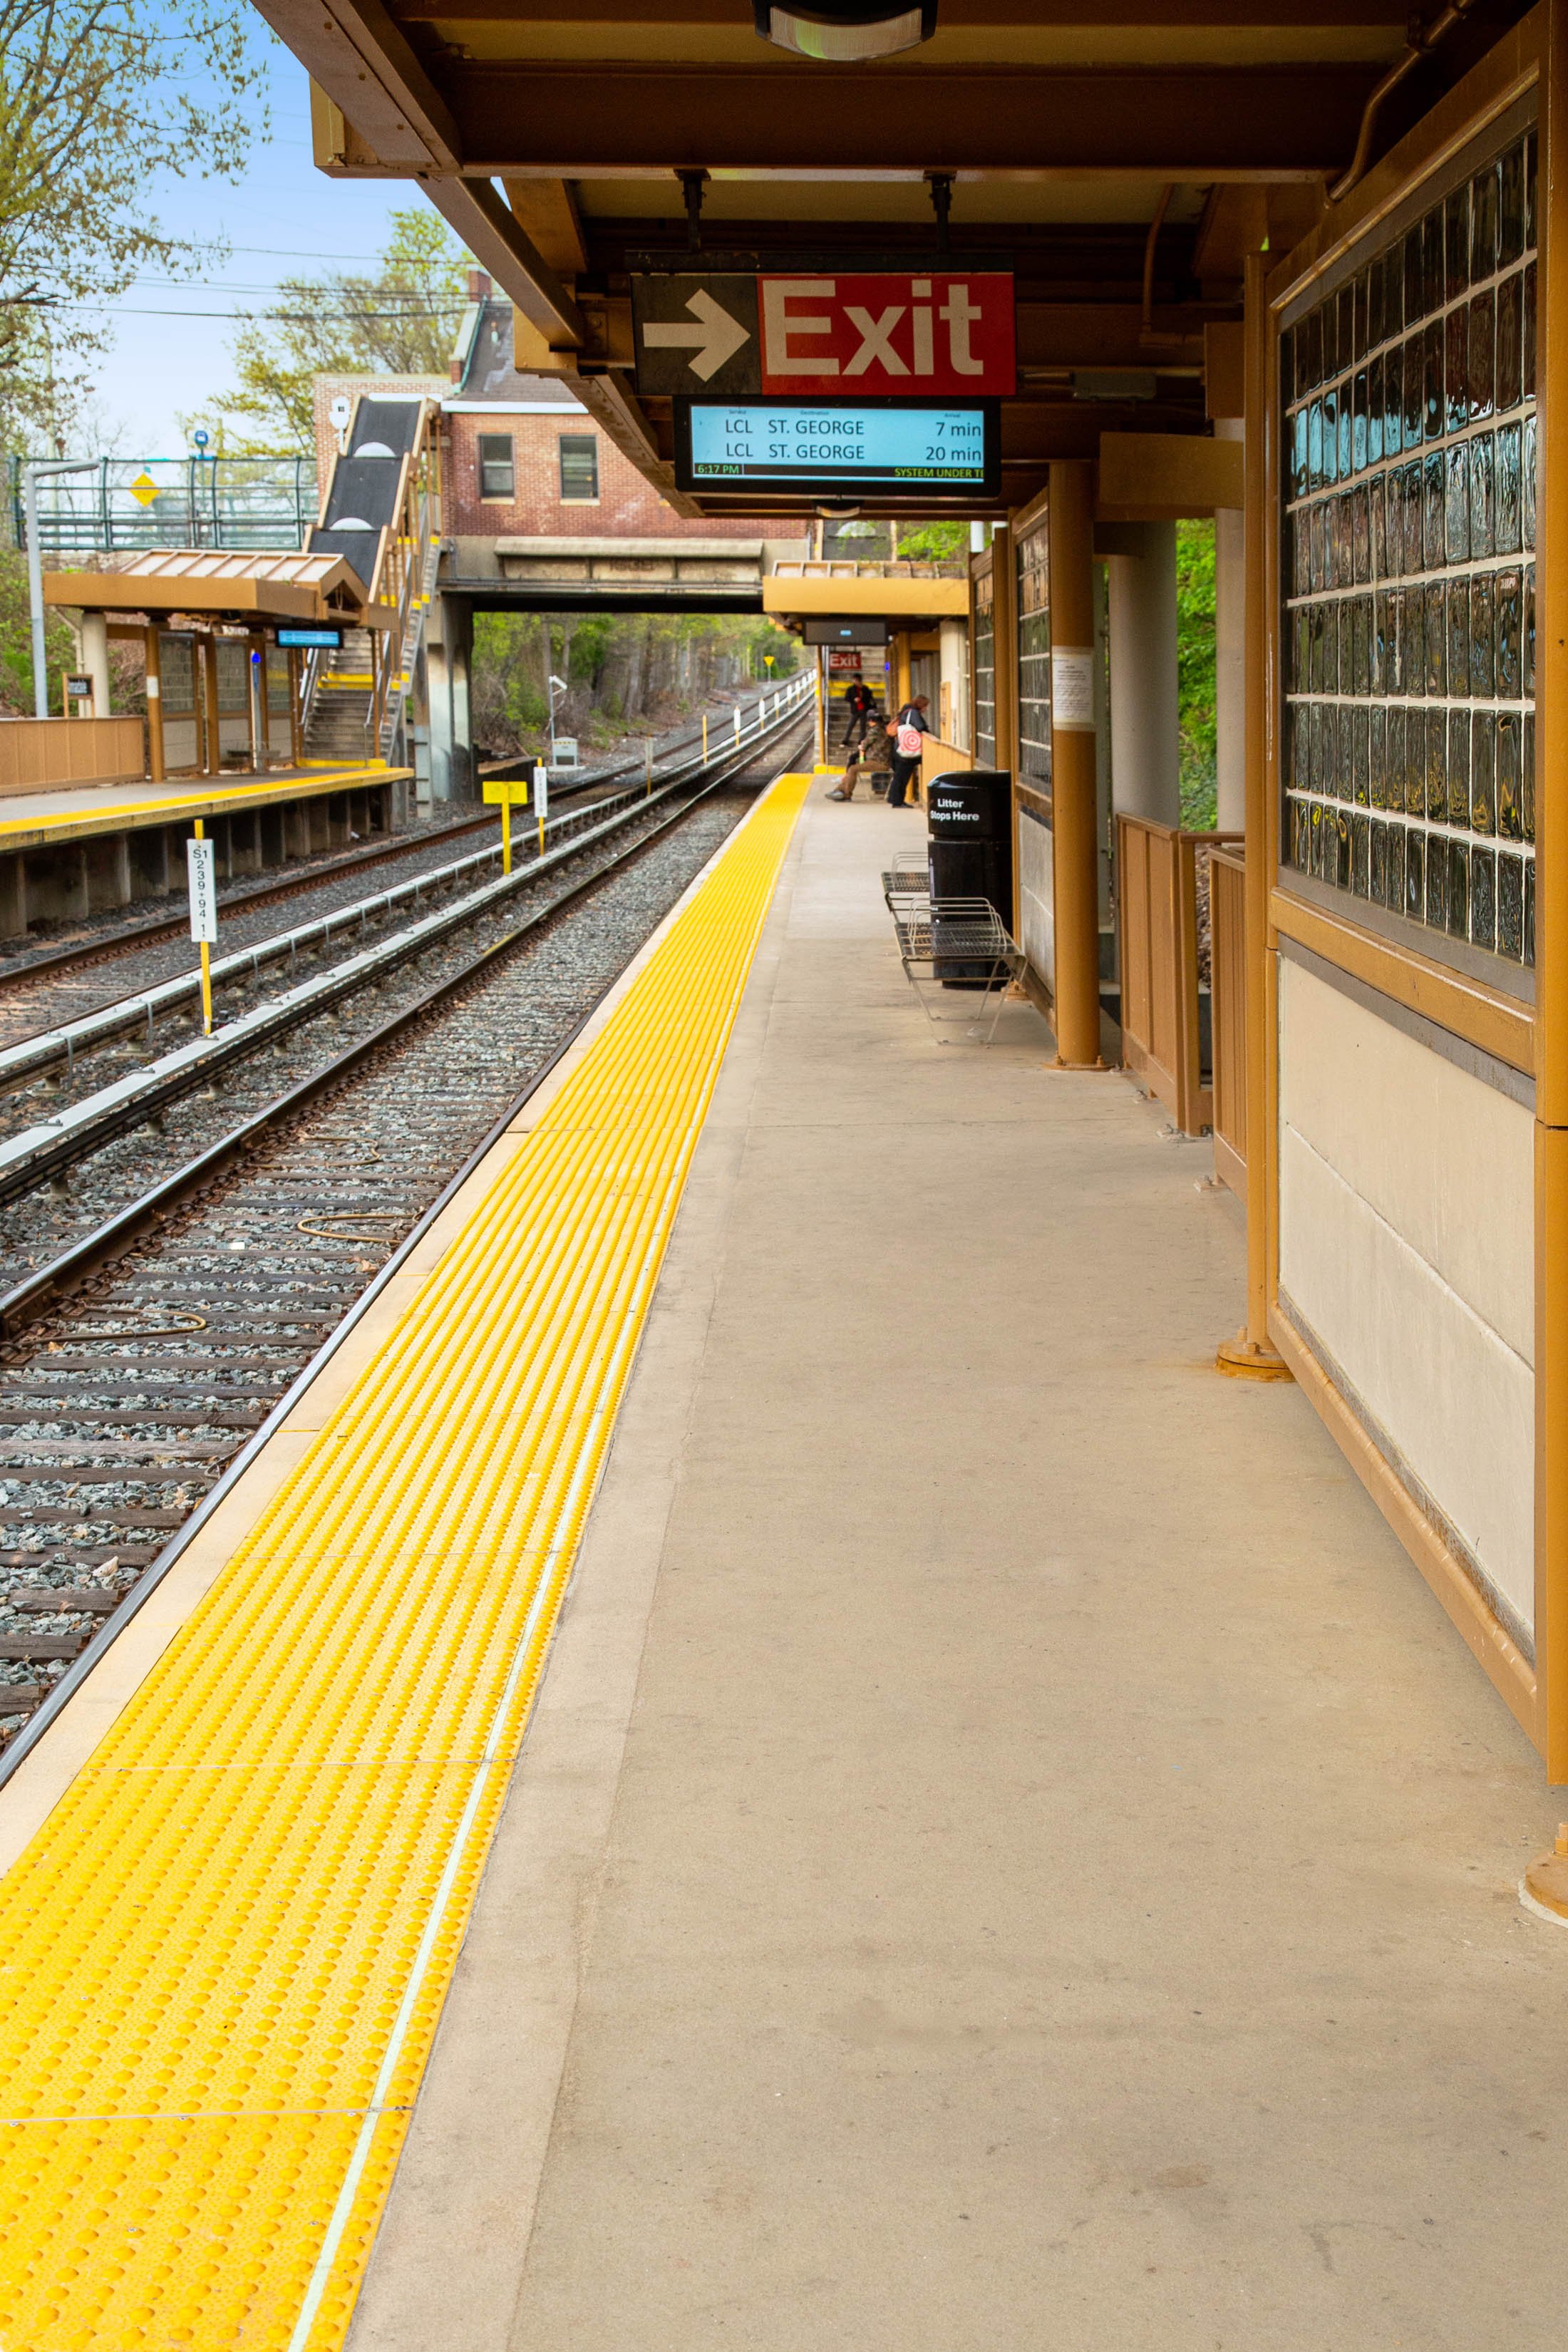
x=957 y=951
x=906 y=883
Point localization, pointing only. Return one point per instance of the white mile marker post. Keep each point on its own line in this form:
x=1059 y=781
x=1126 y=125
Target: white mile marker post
x=201 y=869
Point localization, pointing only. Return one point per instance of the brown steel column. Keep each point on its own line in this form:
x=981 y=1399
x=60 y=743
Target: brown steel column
x=296 y=738
x=1250 y=1355
x=1552 y=936
x=155 y=764
x=1074 y=850
x=260 y=726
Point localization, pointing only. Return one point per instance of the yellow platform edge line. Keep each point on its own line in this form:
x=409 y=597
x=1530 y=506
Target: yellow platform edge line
x=196 y=803
x=224 y=1955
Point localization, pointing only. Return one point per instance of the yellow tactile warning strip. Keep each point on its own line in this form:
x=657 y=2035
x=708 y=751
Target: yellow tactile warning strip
x=222 y=1957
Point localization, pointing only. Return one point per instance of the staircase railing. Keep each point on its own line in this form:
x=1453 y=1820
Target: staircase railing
x=402 y=577
x=404 y=582
x=312 y=669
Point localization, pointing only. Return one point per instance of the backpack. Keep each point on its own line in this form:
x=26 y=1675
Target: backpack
x=908 y=742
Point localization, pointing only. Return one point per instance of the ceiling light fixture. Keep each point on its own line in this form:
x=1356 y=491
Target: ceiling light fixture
x=845 y=32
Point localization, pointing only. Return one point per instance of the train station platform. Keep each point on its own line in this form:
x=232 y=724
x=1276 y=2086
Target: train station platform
x=77 y=811
x=83 y=848
x=1006 y=1848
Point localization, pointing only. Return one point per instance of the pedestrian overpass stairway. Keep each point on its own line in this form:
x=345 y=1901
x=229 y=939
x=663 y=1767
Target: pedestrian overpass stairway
x=340 y=731
x=382 y=514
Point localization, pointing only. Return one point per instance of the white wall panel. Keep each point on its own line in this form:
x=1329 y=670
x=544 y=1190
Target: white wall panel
x=1405 y=1245
x=1036 y=896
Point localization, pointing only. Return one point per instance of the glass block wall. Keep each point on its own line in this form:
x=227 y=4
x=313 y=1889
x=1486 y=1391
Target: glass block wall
x=984 y=672
x=1035 y=655
x=1409 y=463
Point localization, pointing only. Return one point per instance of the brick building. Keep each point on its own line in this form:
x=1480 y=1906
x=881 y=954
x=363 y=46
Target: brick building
x=526 y=463
x=539 y=511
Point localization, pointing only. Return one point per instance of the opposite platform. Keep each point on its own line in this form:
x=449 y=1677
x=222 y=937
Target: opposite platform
x=79 y=811
x=226 y=1944
x=1009 y=1853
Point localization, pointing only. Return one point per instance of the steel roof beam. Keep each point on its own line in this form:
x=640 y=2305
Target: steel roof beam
x=357 y=56
x=474 y=211
x=1150 y=16
x=813 y=121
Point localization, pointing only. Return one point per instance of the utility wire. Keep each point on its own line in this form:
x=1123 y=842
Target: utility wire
x=272 y=318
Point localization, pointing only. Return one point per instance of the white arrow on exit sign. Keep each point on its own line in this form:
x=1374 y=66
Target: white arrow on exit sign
x=715 y=338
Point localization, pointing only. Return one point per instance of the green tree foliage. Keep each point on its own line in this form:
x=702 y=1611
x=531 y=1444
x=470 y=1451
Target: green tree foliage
x=16 y=641
x=764 y=637
x=400 y=319
x=935 y=542
x=96 y=99
x=1196 y=672
x=625 y=673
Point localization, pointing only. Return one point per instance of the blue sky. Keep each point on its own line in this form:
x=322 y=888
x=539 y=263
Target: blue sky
x=172 y=362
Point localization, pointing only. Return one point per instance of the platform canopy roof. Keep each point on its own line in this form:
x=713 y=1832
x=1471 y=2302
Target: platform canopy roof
x=1121 y=156
x=298 y=589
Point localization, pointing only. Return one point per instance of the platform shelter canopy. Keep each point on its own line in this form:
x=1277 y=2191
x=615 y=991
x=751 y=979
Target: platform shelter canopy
x=300 y=589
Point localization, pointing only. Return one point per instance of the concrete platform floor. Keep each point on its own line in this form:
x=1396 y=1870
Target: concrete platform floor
x=73 y=812
x=1010 y=1853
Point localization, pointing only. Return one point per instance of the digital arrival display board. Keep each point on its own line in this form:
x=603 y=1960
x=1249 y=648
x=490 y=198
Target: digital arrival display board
x=829 y=449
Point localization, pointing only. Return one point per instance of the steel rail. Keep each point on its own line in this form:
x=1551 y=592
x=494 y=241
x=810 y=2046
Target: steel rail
x=29 y=1057
x=43 y=1290
x=32 y=1057
x=29 y=1158
x=161 y=927
x=493 y=769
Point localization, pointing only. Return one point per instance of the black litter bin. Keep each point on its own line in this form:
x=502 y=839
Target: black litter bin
x=969 y=815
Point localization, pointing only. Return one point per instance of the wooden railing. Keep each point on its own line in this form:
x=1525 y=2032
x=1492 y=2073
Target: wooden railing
x=841 y=567
x=40 y=755
x=1228 y=887
x=1158 y=891
x=938 y=758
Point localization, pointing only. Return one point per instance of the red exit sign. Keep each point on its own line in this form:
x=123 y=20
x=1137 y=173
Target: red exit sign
x=825 y=337
x=888 y=333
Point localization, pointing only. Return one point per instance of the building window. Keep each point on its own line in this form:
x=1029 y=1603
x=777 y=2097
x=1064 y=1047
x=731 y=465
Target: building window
x=495 y=466
x=1035 y=657
x=579 y=467
x=1409 y=623
x=984 y=672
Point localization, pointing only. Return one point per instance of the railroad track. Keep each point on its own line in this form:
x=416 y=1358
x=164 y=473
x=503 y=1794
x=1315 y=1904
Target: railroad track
x=26 y=972
x=87 y=1110
x=146 y=1365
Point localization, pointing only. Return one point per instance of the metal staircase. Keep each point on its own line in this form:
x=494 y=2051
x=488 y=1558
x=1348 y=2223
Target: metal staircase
x=382 y=514
x=338 y=731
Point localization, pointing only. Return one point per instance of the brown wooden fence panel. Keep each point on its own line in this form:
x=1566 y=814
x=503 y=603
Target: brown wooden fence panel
x=36 y=754
x=1227 y=884
x=1132 y=899
x=1158 y=892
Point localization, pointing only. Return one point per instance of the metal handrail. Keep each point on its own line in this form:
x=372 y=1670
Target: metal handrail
x=199 y=500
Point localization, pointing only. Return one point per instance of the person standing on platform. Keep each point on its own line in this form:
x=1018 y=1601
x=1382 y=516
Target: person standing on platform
x=906 y=730
x=859 y=703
